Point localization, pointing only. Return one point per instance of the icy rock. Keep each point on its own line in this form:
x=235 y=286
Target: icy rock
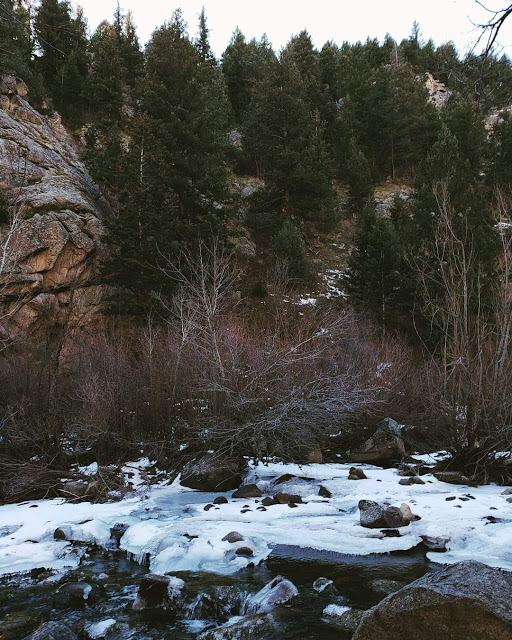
x=376 y=516
x=466 y=600
x=98 y=630
x=285 y=498
x=411 y=480
x=62 y=533
x=286 y=477
x=268 y=502
x=324 y=584
x=52 y=631
x=232 y=537
x=247 y=491
x=116 y=533
x=324 y=493
x=507 y=492
x=244 y=551
x=72 y=593
x=74 y=489
x=385 y=445
x=372 y=514
x=158 y=591
x=434 y=543
x=277 y=591
x=345 y=617
x=242 y=628
x=213 y=473
x=220 y=500
x=407 y=514
x=356 y=474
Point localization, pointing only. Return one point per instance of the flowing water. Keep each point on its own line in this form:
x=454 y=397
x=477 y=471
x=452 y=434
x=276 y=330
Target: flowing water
x=27 y=601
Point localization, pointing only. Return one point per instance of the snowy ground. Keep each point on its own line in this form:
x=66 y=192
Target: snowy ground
x=170 y=526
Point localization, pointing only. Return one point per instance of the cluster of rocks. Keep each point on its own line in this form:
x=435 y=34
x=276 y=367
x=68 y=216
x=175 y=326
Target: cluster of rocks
x=106 y=484
x=253 y=612
x=468 y=600
x=377 y=516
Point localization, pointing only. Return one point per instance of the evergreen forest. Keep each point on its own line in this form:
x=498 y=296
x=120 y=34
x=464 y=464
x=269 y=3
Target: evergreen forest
x=224 y=178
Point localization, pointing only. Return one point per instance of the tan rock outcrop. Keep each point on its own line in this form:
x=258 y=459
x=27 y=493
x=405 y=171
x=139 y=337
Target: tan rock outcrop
x=52 y=256
x=439 y=94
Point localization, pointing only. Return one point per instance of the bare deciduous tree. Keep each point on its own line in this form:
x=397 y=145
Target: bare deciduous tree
x=492 y=27
x=471 y=368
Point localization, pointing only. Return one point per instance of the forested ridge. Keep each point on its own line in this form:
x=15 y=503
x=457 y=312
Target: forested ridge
x=172 y=134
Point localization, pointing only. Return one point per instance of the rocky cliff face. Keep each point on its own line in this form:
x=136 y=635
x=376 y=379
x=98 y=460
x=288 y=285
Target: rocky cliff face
x=438 y=93
x=52 y=255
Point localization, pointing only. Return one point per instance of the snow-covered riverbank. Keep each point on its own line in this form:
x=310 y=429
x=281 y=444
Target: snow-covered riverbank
x=170 y=526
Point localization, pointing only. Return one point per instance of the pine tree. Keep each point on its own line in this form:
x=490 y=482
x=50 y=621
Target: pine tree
x=500 y=170
x=187 y=105
x=107 y=73
x=359 y=178
x=16 y=45
x=15 y=49
x=466 y=122
x=131 y=53
x=290 y=247
x=245 y=65
x=203 y=41
x=174 y=182
x=286 y=138
x=374 y=276
x=63 y=42
x=399 y=122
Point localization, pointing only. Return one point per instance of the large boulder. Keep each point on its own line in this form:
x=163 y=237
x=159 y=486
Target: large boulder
x=373 y=515
x=453 y=477
x=385 y=446
x=213 y=472
x=467 y=601
x=159 y=591
x=248 y=491
x=52 y=631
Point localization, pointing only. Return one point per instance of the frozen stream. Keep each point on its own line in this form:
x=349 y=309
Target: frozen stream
x=166 y=530
x=169 y=526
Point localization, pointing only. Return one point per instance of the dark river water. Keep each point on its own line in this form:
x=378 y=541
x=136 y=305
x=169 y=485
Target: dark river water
x=26 y=602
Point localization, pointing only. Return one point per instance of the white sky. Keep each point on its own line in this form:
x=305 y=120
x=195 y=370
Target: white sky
x=337 y=20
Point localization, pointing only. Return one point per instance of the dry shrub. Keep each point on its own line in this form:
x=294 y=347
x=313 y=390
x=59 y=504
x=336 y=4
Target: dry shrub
x=207 y=374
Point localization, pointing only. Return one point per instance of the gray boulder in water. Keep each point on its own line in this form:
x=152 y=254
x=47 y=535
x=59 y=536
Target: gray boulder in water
x=376 y=516
x=277 y=591
x=52 y=631
x=466 y=601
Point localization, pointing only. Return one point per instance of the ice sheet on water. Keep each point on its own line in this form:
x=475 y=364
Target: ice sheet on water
x=171 y=527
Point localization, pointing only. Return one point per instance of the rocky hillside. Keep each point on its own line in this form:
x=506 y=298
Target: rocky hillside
x=48 y=270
